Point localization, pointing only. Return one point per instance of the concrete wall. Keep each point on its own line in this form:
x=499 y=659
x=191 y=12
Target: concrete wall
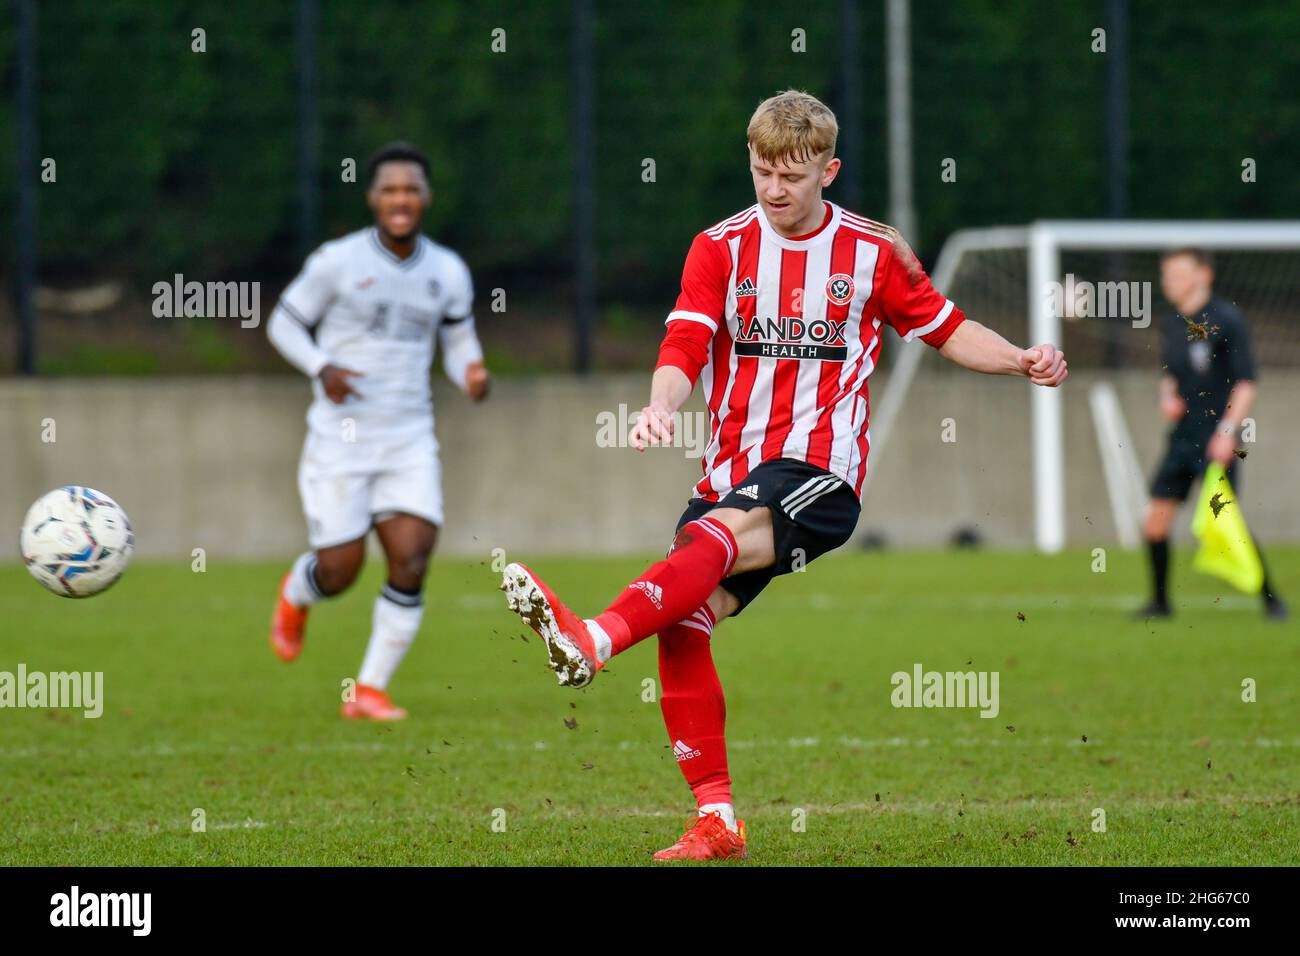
x=211 y=463
x=924 y=488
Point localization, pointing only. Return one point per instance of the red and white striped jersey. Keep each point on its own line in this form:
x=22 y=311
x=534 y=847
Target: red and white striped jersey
x=784 y=333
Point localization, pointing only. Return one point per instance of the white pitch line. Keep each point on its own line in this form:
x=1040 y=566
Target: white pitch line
x=975 y=810
x=245 y=825
x=591 y=746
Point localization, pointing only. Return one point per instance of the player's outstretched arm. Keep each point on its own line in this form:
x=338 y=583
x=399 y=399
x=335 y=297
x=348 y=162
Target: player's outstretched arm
x=692 y=324
x=980 y=349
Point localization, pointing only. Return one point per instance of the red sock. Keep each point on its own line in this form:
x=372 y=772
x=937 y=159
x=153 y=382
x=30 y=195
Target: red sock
x=702 y=555
x=695 y=711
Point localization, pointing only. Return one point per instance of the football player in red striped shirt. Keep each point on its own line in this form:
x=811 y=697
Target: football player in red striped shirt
x=780 y=320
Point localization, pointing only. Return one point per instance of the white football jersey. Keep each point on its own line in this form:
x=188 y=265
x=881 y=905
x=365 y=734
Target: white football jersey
x=379 y=315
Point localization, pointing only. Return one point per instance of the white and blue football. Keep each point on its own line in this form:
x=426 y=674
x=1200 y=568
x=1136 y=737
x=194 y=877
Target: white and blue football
x=76 y=541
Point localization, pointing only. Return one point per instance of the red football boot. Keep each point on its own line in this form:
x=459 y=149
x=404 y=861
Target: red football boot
x=707 y=838
x=371 y=703
x=287 y=626
x=569 y=644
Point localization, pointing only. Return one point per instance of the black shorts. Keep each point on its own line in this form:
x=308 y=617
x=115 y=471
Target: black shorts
x=1184 y=462
x=813 y=512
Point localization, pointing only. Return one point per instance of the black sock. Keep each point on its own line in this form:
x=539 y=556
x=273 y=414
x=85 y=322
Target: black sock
x=401 y=596
x=1160 y=571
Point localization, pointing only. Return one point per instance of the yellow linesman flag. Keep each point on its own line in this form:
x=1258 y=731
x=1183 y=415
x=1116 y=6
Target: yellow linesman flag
x=1227 y=550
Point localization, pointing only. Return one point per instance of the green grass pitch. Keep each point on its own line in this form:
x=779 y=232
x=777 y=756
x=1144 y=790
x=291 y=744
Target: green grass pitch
x=200 y=715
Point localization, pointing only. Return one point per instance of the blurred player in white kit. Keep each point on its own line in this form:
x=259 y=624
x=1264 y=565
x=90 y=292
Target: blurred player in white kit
x=361 y=320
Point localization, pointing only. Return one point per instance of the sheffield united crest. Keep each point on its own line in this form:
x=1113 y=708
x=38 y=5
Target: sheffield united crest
x=839 y=288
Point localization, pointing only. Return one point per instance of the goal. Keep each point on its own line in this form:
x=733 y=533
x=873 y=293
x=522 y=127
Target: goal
x=1093 y=288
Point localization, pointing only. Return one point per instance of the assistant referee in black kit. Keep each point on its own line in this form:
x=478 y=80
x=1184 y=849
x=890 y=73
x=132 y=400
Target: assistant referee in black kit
x=1207 y=391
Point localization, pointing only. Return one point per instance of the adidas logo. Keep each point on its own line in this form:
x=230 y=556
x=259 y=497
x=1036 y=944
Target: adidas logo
x=749 y=491
x=653 y=591
x=683 y=751
x=746 y=288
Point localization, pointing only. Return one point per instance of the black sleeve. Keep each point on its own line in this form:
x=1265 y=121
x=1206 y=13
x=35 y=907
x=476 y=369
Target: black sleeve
x=1167 y=341
x=1241 y=357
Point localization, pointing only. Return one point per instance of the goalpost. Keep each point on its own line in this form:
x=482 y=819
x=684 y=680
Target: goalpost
x=1054 y=281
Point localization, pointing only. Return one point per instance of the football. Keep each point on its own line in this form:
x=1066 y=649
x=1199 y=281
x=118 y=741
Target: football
x=76 y=541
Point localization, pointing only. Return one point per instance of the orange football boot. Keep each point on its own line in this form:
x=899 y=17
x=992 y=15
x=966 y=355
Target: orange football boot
x=571 y=651
x=707 y=838
x=371 y=703
x=287 y=626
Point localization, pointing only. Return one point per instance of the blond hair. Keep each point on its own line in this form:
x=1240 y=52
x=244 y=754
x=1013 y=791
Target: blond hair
x=792 y=126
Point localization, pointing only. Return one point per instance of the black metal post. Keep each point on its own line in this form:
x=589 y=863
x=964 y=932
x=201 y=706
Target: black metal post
x=307 y=27
x=584 y=183
x=25 y=240
x=851 y=137
x=1116 y=152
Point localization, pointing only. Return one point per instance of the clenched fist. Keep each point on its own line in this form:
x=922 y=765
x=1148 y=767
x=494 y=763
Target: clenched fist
x=477 y=382
x=1044 y=365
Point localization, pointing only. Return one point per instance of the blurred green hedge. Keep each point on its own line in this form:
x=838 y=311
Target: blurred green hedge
x=170 y=160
